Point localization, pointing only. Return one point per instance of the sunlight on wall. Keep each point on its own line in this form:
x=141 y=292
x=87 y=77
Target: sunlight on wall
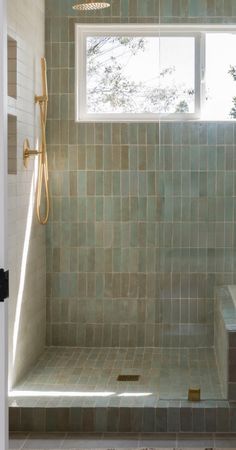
x=24 y=258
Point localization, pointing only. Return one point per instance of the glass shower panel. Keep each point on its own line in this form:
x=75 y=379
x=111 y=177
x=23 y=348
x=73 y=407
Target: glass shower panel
x=186 y=287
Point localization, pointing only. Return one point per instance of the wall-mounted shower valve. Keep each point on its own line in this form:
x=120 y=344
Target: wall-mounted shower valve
x=27 y=152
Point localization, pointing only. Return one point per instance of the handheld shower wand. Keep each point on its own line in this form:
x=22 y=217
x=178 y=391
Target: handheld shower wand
x=42 y=153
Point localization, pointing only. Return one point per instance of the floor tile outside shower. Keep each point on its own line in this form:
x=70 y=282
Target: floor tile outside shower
x=19 y=441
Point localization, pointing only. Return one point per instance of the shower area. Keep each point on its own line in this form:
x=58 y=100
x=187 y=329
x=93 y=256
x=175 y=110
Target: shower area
x=124 y=307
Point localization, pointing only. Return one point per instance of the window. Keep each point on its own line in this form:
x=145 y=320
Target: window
x=145 y=72
x=220 y=77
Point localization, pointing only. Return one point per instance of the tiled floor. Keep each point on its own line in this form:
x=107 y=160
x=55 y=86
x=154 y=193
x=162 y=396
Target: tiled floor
x=75 y=377
x=111 y=441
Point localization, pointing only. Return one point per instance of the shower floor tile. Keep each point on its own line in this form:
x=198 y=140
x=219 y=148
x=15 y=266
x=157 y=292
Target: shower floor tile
x=88 y=377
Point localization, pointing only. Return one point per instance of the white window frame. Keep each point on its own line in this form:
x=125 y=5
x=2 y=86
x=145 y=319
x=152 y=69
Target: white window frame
x=87 y=30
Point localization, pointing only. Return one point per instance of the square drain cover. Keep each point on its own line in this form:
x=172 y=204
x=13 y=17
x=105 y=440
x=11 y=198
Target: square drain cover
x=128 y=378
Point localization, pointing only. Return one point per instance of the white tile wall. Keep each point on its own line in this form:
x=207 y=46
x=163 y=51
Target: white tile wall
x=26 y=238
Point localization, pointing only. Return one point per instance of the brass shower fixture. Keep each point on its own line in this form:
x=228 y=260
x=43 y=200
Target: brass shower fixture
x=42 y=100
x=91 y=5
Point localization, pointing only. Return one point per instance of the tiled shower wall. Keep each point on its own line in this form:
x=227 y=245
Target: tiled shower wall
x=26 y=238
x=142 y=222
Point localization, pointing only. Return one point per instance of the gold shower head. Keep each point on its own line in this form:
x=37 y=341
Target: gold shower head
x=90 y=5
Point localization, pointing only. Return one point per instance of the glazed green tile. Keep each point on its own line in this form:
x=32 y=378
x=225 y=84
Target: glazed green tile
x=82 y=183
x=116 y=183
x=133 y=158
x=108 y=183
x=185 y=158
x=125 y=183
x=107 y=158
x=142 y=183
x=72 y=132
x=211 y=158
x=195 y=184
x=151 y=183
x=134 y=185
x=91 y=209
x=142 y=208
x=128 y=197
x=177 y=209
x=90 y=259
x=133 y=133
x=152 y=209
x=81 y=209
x=108 y=209
x=90 y=158
x=229 y=184
x=116 y=260
x=195 y=157
x=107 y=134
x=186 y=184
x=124 y=8
x=90 y=235
x=55 y=24
x=203 y=133
x=99 y=209
x=55 y=55
x=115 y=9
x=99 y=183
x=229 y=212
x=152 y=134
x=212 y=134
x=151 y=157
x=65 y=209
x=64 y=107
x=54 y=106
x=82 y=256
x=64 y=80
x=79 y=235
x=197 y=9
x=166 y=8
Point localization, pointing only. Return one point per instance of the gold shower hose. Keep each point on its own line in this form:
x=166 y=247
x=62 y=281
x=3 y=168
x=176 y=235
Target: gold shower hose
x=43 y=160
x=42 y=153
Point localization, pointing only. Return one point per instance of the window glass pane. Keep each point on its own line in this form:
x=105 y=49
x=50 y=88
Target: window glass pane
x=121 y=72
x=220 y=76
x=177 y=74
x=140 y=74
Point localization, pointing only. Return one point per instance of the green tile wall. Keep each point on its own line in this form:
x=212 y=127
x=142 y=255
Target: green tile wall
x=142 y=226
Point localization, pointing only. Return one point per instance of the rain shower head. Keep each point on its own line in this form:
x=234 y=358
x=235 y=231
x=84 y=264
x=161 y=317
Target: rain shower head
x=90 y=5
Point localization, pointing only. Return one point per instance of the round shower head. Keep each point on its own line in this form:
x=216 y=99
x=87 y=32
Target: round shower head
x=90 y=5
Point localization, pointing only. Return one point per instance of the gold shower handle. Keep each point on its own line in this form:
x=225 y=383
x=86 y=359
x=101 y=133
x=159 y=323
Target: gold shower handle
x=28 y=152
x=43 y=98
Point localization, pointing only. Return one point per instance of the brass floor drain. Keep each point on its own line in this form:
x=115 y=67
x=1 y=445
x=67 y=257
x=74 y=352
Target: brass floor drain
x=128 y=378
